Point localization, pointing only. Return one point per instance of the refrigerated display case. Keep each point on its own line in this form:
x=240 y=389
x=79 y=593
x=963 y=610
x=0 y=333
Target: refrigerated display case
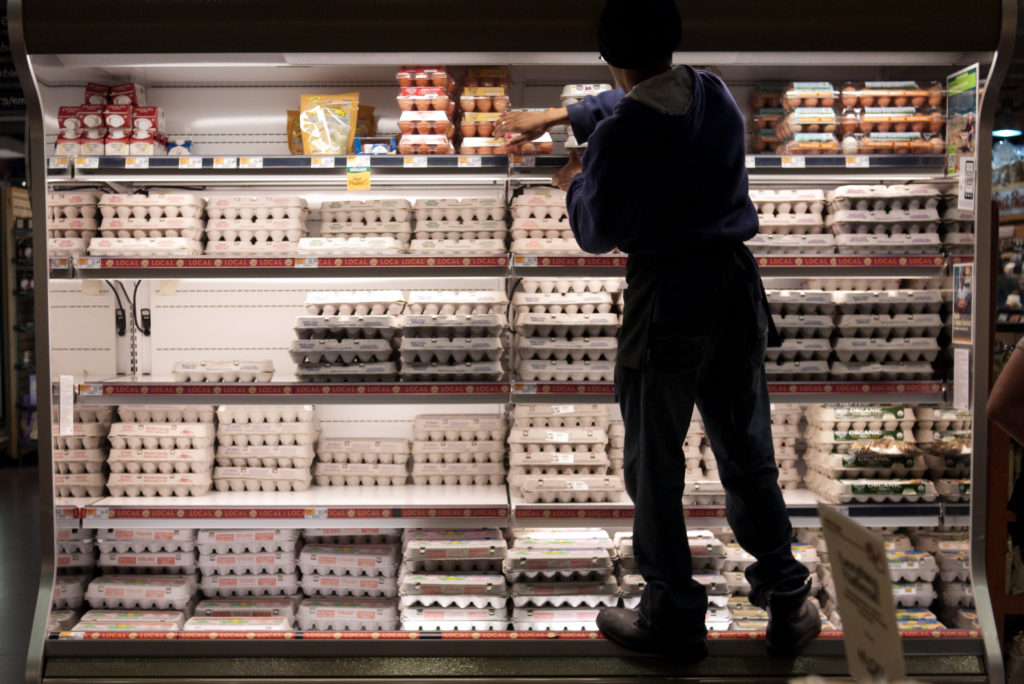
x=190 y=334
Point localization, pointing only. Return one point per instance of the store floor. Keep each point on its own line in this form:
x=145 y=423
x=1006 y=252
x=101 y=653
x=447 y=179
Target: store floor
x=19 y=566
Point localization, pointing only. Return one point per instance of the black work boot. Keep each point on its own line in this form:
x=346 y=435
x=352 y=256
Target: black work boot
x=624 y=627
x=793 y=621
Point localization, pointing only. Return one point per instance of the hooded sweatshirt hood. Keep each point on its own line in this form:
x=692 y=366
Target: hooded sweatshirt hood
x=668 y=93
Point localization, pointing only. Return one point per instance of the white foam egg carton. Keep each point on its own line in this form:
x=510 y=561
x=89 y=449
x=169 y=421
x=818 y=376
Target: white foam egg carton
x=155 y=205
x=790 y=224
x=360 y=474
x=69 y=591
x=245 y=541
x=800 y=349
x=349 y=585
x=955 y=490
x=562 y=465
x=563 y=245
x=178 y=227
x=455 y=427
x=73 y=228
x=913 y=594
x=482 y=451
x=454 y=619
x=571 y=302
x=943 y=418
x=166 y=414
x=75 y=560
x=145 y=540
x=888 y=301
x=532 y=228
x=126 y=626
x=145 y=247
x=223 y=371
x=257 y=208
x=350 y=246
x=453 y=230
x=61 y=247
x=571 y=285
x=790 y=245
x=344 y=615
x=704 y=493
x=146 y=592
x=577 y=371
x=844 y=418
x=880 y=197
x=366 y=211
x=459 y=590
x=160 y=460
x=838 y=465
x=567 y=325
x=796 y=201
x=560 y=415
x=254 y=563
x=61 y=620
x=415 y=535
x=550 y=619
x=75 y=540
x=250 y=607
x=886 y=325
x=796 y=370
x=804 y=325
x=83 y=436
x=355 y=303
x=876 y=349
x=455 y=302
x=800 y=302
x=467 y=209
x=342 y=327
x=347 y=351
x=920 y=370
x=453 y=326
x=366 y=450
x=267 y=434
x=265 y=414
x=161 y=435
x=458 y=473
x=443 y=350
x=548 y=564
x=954 y=566
x=540 y=208
x=570 y=489
x=911 y=566
x=385 y=371
x=261 y=479
x=566 y=594
x=870 y=490
x=265 y=584
x=238 y=624
x=357 y=559
x=73 y=204
x=79 y=484
x=896 y=222
x=522 y=439
x=75 y=461
x=451 y=371
x=159 y=484
x=256 y=232
x=457 y=246
x=177 y=562
x=902 y=243
x=422 y=550
x=293 y=456
x=351 y=535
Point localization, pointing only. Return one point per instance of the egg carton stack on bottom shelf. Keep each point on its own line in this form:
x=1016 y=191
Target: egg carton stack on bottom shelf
x=265 y=448
x=566 y=329
x=957 y=229
x=737 y=560
x=804 y=319
x=367 y=461
x=227 y=371
x=459 y=449
x=271 y=225
x=143 y=592
x=358 y=227
x=71 y=221
x=348 y=336
x=337 y=574
x=453 y=335
x=786 y=434
x=161 y=451
x=248 y=563
x=76 y=565
x=158 y=225
x=540 y=223
x=951 y=549
x=129 y=621
x=460 y=226
x=790 y=222
x=451 y=580
x=944 y=437
x=146 y=551
x=78 y=456
x=876 y=219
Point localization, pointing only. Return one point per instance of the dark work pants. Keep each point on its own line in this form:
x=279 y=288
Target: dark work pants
x=717 y=364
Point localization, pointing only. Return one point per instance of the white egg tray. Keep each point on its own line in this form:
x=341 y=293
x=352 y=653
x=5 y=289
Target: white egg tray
x=885 y=326
x=798 y=201
x=342 y=327
x=74 y=560
x=148 y=592
x=882 y=371
x=913 y=594
x=454 y=427
x=73 y=204
x=360 y=474
x=355 y=302
x=69 y=591
x=563 y=561
x=449 y=601
x=911 y=566
x=161 y=435
x=548 y=460
x=222 y=371
x=238 y=624
x=265 y=584
x=954 y=490
x=75 y=541
x=539 y=229
x=563 y=619
x=431 y=620
x=800 y=302
x=160 y=460
x=459 y=246
x=145 y=247
x=736 y=582
x=246 y=232
x=188 y=228
x=562 y=302
x=881 y=223
x=532 y=370
x=943 y=419
x=252 y=607
x=796 y=370
x=266 y=414
x=83 y=436
x=256 y=563
x=427 y=350
x=876 y=349
x=370 y=211
x=60 y=247
x=800 y=325
x=349 y=585
x=955 y=594
x=388 y=451
x=344 y=615
x=564 y=349
x=159 y=484
x=560 y=415
x=948 y=466
x=535 y=439
x=266 y=434
x=61 y=620
x=126 y=626
x=881 y=442
x=866 y=466
x=349 y=246
x=876 y=491
x=564 y=537
x=452 y=302
x=888 y=301
x=346 y=536
x=146 y=540
x=245 y=541
x=914 y=243
x=843 y=418
x=454 y=210
x=257 y=208
x=73 y=228
x=79 y=485
x=481 y=232
x=571 y=285
x=358 y=559
x=166 y=414
x=77 y=461
x=954 y=566
x=179 y=562
x=567 y=325
x=571 y=489
x=539 y=208
x=800 y=349
x=155 y=205
x=347 y=351
x=566 y=594
x=483 y=451
x=294 y=456
x=458 y=473
x=414 y=535
x=789 y=224
x=567 y=246
x=790 y=245
x=467 y=370
x=880 y=197
x=453 y=326
x=261 y=479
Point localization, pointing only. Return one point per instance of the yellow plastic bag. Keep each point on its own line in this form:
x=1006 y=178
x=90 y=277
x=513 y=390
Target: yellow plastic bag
x=328 y=123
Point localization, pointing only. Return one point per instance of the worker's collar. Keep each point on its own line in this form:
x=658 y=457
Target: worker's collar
x=670 y=92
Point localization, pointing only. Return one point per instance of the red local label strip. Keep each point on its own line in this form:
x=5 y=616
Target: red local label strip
x=853 y=261
x=207 y=513
x=573 y=513
x=576 y=388
x=855 y=388
x=412 y=262
x=453 y=512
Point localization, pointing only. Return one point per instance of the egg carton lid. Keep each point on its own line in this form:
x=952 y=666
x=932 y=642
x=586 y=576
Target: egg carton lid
x=79 y=479
x=264 y=451
x=808 y=220
x=160 y=455
x=462 y=246
x=457 y=297
x=427 y=584
x=225 y=366
x=792 y=367
x=813 y=240
x=257 y=202
x=145 y=246
x=377 y=368
x=550 y=298
x=523 y=223
x=159 y=479
x=441 y=549
x=877 y=320
x=182 y=199
x=161 y=430
x=273 y=580
x=347 y=345
x=526 y=411
x=85 y=430
x=146 y=535
x=887 y=296
x=546 y=246
x=66 y=246
x=235 y=536
x=347 y=246
x=804 y=320
x=594 y=534
x=74 y=197
x=557 y=366
x=292 y=474
x=170 y=559
x=136 y=586
x=430 y=534
x=821 y=436
x=560 y=544
x=400 y=229
x=325 y=607
x=937 y=413
x=857 y=343
x=606 y=586
x=61 y=620
x=608 y=319
x=632 y=584
x=238 y=624
x=335 y=322
x=457 y=344
x=803 y=296
x=797 y=195
x=923 y=487
x=954 y=214
x=450 y=203
x=274 y=560
x=557 y=615
x=898 y=240
x=881 y=191
x=223 y=248
x=933 y=436
x=374 y=469
x=566 y=435
x=809 y=344
x=562 y=483
x=468 y=368
x=163 y=223
x=455 y=421
x=392 y=203
x=910 y=559
x=79 y=455
x=350 y=583
x=381 y=553
x=543 y=459
x=384 y=445
x=77 y=223
x=74 y=535
x=493 y=320
x=916 y=368
x=490 y=225
x=270 y=606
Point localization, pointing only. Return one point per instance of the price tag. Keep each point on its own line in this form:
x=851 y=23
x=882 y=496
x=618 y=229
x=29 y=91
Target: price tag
x=307 y=262
x=136 y=162
x=225 y=163
x=358 y=173
x=58 y=162
x=316 y=514
x=526 y=387
x=321 y=162
x=550 y=436
x=250 y=162
x=750 y=161
x=523 y=160
x=527 y=261
x=859 y=161
x=577 y=485
x=88 y=262
x=564 y=458
x=414 y=162
x=90 y=390
x=559 y=410
x=796 y=162
x=190 y=162
x=87 y=162
x=473 y=162
x=97 y=513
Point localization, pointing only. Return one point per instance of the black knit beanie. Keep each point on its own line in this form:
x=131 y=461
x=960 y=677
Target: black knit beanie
x=634 y=34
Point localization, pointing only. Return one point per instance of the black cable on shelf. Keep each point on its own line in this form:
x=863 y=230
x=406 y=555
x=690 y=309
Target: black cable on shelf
x=146 y=324
x=119 y=314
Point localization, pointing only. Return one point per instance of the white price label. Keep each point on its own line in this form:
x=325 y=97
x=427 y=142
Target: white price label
x=550 y=436
x=527 y=160
x=190 y=162
x=473 y=162
x=358 y=163
x=58 y=162
x=414 y=162
x=858 y=161
x=250 y=162
x=225 y=162
x=564 y=458
x=321 y=162
x=136 y=162
x=796 y=162
x=527 y=261
x=316 y=514
x=88 y=262
x=559 y=410
x=577 y=485
x=97 y=513
x=307 y=262
x=90 y=390
x=87 y=162
x=526 y=387
x=750 y=161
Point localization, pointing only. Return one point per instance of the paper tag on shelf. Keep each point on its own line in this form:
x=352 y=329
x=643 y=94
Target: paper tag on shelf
x=66 y=401
x=87 y=162
x=316 y=514
x=473 y=162
x=577 y=485
x=859 y=161
x=414 y=162
x=564 y=458
x=527 y=160
x=90 y=390
x=250 y=162
x=58 y=162
x=136 y=162
x=795 y=162
x=750 y=161
x=550 y=436
x=225 y=163
x=558 y=410
x=321 y=162
x=190 y=162
x=307 y=262
x=526 y=387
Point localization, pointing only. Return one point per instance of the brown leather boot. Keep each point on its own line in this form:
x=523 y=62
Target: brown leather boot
x=793 y=621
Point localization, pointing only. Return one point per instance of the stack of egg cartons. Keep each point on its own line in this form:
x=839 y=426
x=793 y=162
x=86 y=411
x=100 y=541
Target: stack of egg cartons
x=351 y=577
x=427 y=102
x=147 y=551
x=248 y=564
x=877 y=219
x=805 y=324
x=616 y=446
x=864 y=454
x=460 y=449
x=367 y=461
x=561 y=578
x=453 y=335
x=565 y=329
x=703 y=483
x=957 y=229
x=76 y=565
x=265 y=448
x=78 y=456
x=129 y=622
x=944 y=436
x=71 y=221
x=255 y=226
x=540 y=223
x=791 y=222
x=233 y=370
x=161 y=451
x=451 y=581
x=348 y=336
x=561 y=456
x=360 y=227
x=785 y=433
x=951 y=550
x=248 y=607
x=452 y=226
x=157 y=225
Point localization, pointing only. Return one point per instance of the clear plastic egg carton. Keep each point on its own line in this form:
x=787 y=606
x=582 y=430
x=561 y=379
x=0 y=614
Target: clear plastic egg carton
x=452 y=371
x=870 y=490
x=845 y=418
x=164 y=461
x=532 y=370
x=445 y=351
x=159 y=484
x=887 y=326
x=251 y=607
x=83 y=436
x=373 y=560
x=238 y=624
x=459 y=246
x=74 y=229
x=454 y=555
x=526 y=229
x=865 y=466
x=465 y=230
x=145 y=592
x=165 y=414
x=601 y=593
x=255 y=563
x=133 y=228
x=223 y=371
x=913 y=594
x=69 y=591
x=79 y=484
x=483 y=451
x=456 y=427
x=460 y=210
x=551 y=619
x=366 y=211
x=75 y=461
x=351 y=535
x=804 y=325
x=458 y=474
x=146 y=541
x=350 y=246
x=294 y=456
x=800 y=349
x=60 y=247
x=346 y=327
x=345 y=352
x=911 y=566
x=75 y=540
x=800 y=302
x=878 y=349
x=245 y=233
x=796 y=370
x=460 y=590
x=257 y=208
x=347 y=615
x=73 y=204
x=267 y=434
x=954 y=566
x=920 y=370
x=888 y=301
x=560 y=416
x=788 y=202
x=455 y=619
x=573 y=326
x=232 y=479
x=882 y=223
x=246 y=541
x=954 y=490
x=123 y=206
x=902 y=243
x=145 y=247
x=349 y=585
x=61 y=620
x=548 y=564
x=363 y=450
x=360 y=474
x=265 y=584
x=791 y=245
x=631 y=588
x=164 y=563
x=161 y=435
x=882 y=198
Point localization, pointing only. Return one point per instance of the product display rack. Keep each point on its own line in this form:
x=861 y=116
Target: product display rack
x=501 y=655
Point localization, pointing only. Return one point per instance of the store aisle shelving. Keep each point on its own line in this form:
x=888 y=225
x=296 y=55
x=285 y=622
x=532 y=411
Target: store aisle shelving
x=19 y=565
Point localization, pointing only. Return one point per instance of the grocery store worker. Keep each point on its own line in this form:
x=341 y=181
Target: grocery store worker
x=664 y=180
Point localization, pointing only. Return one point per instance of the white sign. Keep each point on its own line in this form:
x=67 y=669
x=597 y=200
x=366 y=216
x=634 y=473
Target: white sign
x=66 y=399
x=962 y=379
x=966 y=184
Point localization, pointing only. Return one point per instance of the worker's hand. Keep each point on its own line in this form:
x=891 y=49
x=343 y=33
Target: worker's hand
x=527 y=126
x=564 y=177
